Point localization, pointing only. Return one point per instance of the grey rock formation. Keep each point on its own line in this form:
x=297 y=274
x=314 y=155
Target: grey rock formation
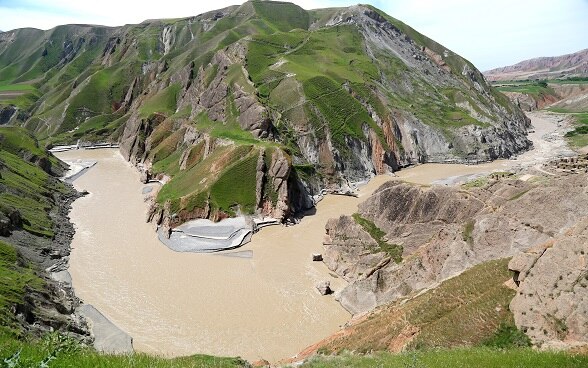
x=444 y=231
x=551 y=304
x=108 y=338
x=324 y=287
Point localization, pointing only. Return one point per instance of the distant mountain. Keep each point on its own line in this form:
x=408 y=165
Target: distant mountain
x=256 y=108
x=554 y=67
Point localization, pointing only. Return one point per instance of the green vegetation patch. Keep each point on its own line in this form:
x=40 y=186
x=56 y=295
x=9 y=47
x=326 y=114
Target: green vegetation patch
x=535 y=89
x=235 y=188
x=344 y=114
x=60 y=351
x=225 y=180
x=466 y=310
x=468 y=229
x=579 y=136
x=34 y=213
x=476 y=183
x=99 y=95
x=23 y=186
x=507 y=336
x=15 y=278
x=16 y=87
x=454 y=358
x=229 y=129
x=283 y=16
x=163 y=102
x=18 y=140
x=394 y=250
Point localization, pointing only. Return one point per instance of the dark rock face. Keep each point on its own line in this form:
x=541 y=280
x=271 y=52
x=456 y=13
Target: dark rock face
x=6 y=114
x=444 y=231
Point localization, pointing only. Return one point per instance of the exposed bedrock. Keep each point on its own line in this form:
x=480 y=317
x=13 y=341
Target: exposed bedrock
x=551 y=304
x=444 y=231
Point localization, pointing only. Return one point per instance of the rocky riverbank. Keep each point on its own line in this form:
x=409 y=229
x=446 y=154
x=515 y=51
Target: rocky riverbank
x=53 y=308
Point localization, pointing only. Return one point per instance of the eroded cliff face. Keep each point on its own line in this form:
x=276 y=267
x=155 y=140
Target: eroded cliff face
x=343 y=94
x=444 y=231
x=551 y=304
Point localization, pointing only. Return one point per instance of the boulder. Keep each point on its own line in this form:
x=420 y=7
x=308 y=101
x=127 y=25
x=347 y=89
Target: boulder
x=15 y=218
x=317 y=257
x=5 y=225
x=324 y=287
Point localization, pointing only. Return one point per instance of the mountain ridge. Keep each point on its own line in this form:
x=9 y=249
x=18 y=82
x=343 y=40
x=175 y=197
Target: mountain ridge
x=316 y=98
x=546 y=67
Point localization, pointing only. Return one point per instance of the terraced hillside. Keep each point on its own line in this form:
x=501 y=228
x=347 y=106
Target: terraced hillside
x=299 y=100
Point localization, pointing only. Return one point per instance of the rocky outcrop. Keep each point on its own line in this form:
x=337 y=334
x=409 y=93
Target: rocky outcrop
x=7 y=114
x=253 y=116
x=444 y=231
x=133 y=139
x=551 y=304
x=212 y=92
x=54 y=307
x=349 y=250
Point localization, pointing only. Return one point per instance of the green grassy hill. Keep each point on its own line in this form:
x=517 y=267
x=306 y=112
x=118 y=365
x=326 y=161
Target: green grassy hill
x=26 y=181
x=343 y=92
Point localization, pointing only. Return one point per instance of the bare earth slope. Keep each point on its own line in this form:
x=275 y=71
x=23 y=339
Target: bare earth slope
x=554 y=67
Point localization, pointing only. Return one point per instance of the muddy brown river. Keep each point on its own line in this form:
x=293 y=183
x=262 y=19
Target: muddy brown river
x=176 y=304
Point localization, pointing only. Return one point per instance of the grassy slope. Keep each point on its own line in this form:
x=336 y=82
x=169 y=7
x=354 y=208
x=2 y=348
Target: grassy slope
x=466 y=310
x=223 y=186
x=58 y=351
x=533 y=89
x=456 y=358
x=394 y=250
x=578 y=137
x=464 y=322
x=28 y=189
x=25 y=187
x=14 y=279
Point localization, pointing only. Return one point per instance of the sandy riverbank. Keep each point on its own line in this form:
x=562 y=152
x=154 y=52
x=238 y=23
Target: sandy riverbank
x=184 y=303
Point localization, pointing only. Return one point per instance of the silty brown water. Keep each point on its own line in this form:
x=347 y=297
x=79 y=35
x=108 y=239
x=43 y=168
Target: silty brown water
x=184 y=303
